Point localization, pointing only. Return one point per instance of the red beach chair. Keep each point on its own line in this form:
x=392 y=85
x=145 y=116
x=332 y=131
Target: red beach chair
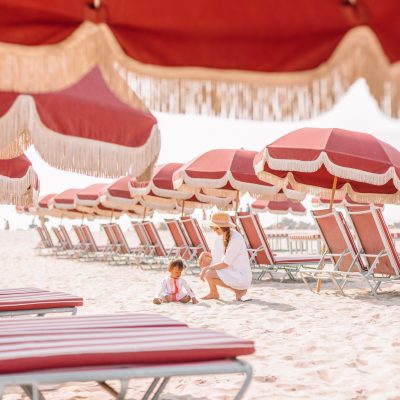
x=377 y=247
x=261 y=254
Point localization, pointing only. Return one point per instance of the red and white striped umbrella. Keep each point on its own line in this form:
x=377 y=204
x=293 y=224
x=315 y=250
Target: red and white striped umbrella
x=279 y=207
x=46 y=208
x=19 y=183
x=320 y=161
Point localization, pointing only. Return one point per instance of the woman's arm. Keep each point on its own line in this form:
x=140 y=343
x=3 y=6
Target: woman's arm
x=221 y=265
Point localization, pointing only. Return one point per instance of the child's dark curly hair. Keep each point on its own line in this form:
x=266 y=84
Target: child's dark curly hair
x=176 y=263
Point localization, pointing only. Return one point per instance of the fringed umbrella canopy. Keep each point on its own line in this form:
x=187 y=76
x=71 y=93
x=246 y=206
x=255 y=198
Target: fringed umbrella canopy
x=19 y=183
x=83 y=128
x=347 y=201
x=223 y=173
x=118 y=196
x=161 y=183
x=320 y=161
x=279 y=207
x=260 y=60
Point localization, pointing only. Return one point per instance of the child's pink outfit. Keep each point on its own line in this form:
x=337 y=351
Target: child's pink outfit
x=178 y=288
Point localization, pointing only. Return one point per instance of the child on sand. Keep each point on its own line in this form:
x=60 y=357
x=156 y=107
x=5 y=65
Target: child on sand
x=173 y=287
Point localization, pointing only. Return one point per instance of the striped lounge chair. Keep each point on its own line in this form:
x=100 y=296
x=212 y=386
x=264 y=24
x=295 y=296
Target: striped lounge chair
x=115 y=347
x=25 y=301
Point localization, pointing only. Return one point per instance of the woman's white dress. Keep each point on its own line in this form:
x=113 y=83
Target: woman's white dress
x=238 y=274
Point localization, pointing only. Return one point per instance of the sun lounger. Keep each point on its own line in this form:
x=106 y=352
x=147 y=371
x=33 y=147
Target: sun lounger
x=157 y=246
x=145 y=245
x=181 y=246
x=119 y=347
x=377 y=248
x=197 y=241
x=36 y=301
x=125 y=253
x=340 y=247
x=46 y=247
x=261 y=255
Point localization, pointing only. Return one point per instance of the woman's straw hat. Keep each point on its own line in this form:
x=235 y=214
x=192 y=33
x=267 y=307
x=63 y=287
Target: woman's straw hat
x=221 y=220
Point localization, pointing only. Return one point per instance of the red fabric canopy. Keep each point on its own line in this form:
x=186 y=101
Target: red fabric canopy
x=260 y=35
x=222 y=173
x=161 y=183
x=309 y=159
x=279 y=207
x=83 y=128
x=19 y=183
x=284 y=59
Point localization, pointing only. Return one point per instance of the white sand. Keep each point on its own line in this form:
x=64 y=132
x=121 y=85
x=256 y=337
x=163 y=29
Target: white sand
x=308 y=346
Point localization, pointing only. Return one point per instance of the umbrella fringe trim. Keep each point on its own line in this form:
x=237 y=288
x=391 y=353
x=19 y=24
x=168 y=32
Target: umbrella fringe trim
x=334 y=169
x=72 y=153
x=326 y=193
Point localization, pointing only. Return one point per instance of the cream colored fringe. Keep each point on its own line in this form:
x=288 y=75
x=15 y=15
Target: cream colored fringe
x=326 y=193
x=18 y=191
x=73 y=153
x=230 y=93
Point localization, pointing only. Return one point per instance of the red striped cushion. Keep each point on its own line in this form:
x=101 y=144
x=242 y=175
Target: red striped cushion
x=31 y=299
x=34 y=326
x=80 y=348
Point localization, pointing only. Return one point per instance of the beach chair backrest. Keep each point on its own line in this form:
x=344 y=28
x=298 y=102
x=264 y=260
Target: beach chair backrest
x=46 y=233
x=374 y=237
x=42 y=237
x=89 y=239
x=79 y=234
x=112 y=240
x=67 y=239
x=180 y=240
x=337 y=238
x=255 y=238
x=122 y=242
x=195 y=234
x=58 y=235
x=141 y=233
x=154 y=237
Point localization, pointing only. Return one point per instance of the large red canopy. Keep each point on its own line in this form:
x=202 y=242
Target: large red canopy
x=83 y=128
x=284 y=59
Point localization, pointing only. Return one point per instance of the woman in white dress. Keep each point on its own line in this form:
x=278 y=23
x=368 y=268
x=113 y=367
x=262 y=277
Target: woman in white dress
x=228 y=264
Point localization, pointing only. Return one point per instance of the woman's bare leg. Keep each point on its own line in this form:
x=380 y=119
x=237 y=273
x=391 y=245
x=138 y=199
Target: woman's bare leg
x=213 y=281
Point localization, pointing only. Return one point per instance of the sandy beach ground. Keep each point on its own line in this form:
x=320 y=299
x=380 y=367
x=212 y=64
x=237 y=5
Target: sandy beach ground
x=308 y=346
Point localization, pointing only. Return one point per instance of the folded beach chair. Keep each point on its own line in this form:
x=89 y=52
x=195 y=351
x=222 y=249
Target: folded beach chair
x=93 y=250
x=377 y=247
x=197 y=241
x=157 y=246
x=126 y=254
x=340 y=247
x=36 y=301
x=46 y=247
x=181 y=246
x=261 y=255
x=118 y=347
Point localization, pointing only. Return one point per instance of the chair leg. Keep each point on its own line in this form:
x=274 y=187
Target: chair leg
x=160 y=389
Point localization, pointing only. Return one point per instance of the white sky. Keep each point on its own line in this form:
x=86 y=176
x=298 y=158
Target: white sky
x=186 y=136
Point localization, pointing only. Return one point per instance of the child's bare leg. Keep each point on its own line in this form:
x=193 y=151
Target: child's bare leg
x=157 y=300
x=185 y=299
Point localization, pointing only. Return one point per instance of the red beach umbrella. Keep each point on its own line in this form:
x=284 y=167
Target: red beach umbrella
x=82 y=128
x=262 y=59
x=223 y=173
x=161 y=183
x=19 y=183
x=118 y=196
x=327 y=161
x=279 y=207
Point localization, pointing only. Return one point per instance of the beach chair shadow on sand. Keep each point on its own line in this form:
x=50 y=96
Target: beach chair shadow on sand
x=115 y=347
